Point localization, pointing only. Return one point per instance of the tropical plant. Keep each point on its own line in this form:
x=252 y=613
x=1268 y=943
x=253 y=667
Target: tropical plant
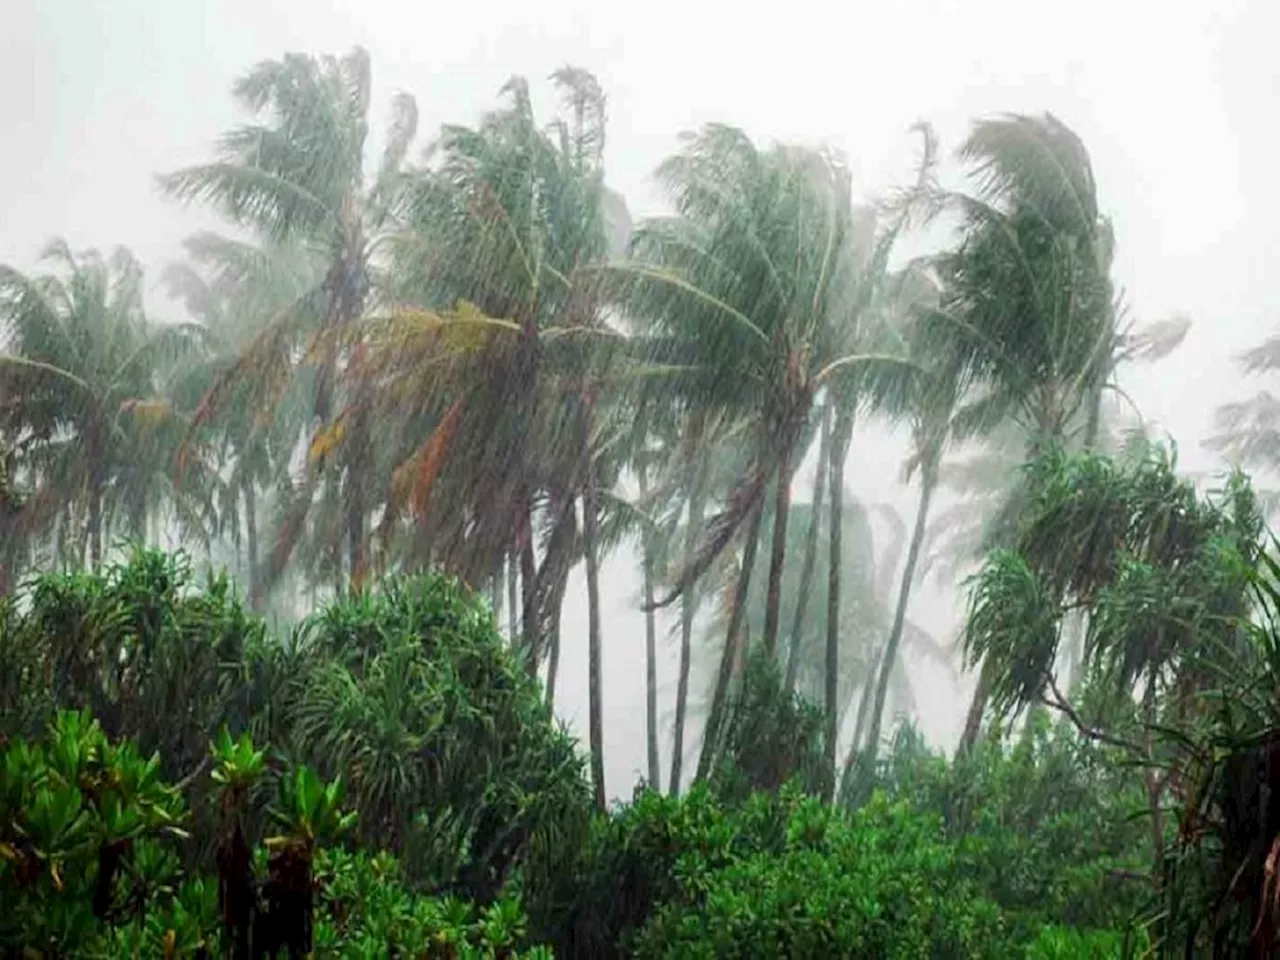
x=300 y=178
x=82 y=398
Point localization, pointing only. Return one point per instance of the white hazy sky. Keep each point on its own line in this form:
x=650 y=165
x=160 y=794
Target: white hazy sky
x=1178 y=104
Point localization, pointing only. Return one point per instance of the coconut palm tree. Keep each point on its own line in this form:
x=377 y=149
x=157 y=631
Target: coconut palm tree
x=236 y=290
x=299 y=177
x=81 y=400
x=747 y=278
x=494 y=353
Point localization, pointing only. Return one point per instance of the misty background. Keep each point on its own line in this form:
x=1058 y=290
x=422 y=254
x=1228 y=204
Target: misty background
x=1176 y=104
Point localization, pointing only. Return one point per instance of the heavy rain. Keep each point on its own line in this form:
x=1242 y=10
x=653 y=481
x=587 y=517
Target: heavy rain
x=543 y=480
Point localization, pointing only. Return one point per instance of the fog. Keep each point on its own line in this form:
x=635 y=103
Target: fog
x=1176 y=103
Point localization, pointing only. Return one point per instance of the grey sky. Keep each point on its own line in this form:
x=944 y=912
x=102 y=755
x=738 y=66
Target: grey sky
x=1177 y=103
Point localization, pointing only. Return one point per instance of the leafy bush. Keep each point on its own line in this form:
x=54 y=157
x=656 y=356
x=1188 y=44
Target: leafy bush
x=770 y=737
x=881 y=884
x=451 y=756
x=1050 y=830
x=80 y=823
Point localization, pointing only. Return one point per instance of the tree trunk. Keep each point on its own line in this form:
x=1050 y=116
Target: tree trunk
x=719 y=699
x=839 y=448
x=95 y=518
x=251 y=541
x=860 y=722
x=810 y=562
x=591 y=546
x=528 y=587
x=553 y=642
x=513 y=600
x=688 y=607
x=928 y=481
x=355 y=528
x=650 y=643
x=978 y=706
x=778 y=554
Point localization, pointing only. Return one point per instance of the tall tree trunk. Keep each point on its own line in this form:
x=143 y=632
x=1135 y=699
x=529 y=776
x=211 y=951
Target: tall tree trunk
x=928 y=482
x=977 y=707
x=591 y=546
x=719 y=698
x=251 y=540
x=810 y=562
x=688 y=607
x=778 y=553
x=553 y=661
x=513 y=600
x=95 y=517
x=355 y=528
x=650 y=642
x=842 y=434
x=860 y=722
x=528 y=587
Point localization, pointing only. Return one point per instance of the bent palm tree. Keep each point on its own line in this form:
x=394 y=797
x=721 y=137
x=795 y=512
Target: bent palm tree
x=299 y=177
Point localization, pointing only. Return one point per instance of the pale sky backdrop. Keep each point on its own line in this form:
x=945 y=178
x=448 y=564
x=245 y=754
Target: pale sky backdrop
x=1178 y=103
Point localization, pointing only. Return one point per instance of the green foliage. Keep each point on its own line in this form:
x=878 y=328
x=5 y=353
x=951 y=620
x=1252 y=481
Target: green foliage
x=77 y=815
x=770 y=738
x=365 y=910
x=883 y=883
x=448 y=752
x=1050 y=829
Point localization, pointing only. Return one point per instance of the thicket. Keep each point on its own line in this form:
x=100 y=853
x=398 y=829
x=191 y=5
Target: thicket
x=388 y=781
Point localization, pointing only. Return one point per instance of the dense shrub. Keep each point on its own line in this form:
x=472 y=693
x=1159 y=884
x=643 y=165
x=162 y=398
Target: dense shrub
x=88 y=865
x=881 y=884
x=770 y=737
x=1051 y=829
x=450 y=756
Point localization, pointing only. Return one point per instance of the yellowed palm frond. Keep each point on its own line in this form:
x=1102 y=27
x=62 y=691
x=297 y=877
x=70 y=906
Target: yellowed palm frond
x=432 y=457
x=327 y=439
x=148 y=413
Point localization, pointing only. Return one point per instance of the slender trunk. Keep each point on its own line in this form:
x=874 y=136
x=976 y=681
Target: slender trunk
x=513 y=601
x=251 y=541
x=810 y=562
x=495 y=596
x=95 y=517
x=868 y=697
x=528 y=588
x=860 y=724
x=839 y=447
x=778 y=554
x=650 y=643
x=553 y=661
x=355 y=521
x=928 y=481
x=719 y=699
x=594 y=680
x=688 y=607
x=978 y=706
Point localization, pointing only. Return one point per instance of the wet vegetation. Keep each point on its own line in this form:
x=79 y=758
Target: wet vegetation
x=417 y=387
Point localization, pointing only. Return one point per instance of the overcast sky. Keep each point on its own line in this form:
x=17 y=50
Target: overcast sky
x=1178 y=104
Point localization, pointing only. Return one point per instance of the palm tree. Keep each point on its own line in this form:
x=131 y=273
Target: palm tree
x=299 y=177
x=236 y=290
x=80 y=394
x=932 y=395
x=747 y=279
x=1027 y=308
x=497 y=319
